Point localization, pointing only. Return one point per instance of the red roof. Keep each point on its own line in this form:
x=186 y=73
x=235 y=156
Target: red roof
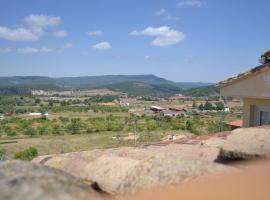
x=237 y=123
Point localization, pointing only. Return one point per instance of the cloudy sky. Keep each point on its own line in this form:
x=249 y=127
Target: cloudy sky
x=181 y=40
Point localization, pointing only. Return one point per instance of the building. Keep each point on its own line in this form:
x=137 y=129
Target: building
x=253 y=87
x=174 y=112
x=157 y=109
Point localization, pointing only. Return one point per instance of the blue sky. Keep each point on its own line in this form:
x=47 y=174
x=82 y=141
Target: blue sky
x=181 y=40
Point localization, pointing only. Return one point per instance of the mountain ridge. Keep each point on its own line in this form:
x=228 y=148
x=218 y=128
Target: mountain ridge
x=84 y=82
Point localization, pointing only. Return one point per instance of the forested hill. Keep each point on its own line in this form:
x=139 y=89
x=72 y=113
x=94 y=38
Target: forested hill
x=131 y=84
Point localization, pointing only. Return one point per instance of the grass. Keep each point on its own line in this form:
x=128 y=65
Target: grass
x=71 y=143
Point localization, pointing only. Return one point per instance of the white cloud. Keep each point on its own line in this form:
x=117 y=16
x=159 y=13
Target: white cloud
x=94 y=33
x=165 y=15
x=160 y=12
x=170 y=17
x=31 y=30
x=164 y=35
x=5 y=50
x=147 y=57
x=102 y=46
x=60 y=33
x=20 y=34
x=45 y=50
x=191 y=3
x=30 y=50
x=42 y=20
x=68 y=46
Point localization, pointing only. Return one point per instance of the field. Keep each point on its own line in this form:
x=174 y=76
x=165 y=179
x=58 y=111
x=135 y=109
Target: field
x=107 y=121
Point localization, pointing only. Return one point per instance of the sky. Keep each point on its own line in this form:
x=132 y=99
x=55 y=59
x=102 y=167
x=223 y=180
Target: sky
x=180 y=40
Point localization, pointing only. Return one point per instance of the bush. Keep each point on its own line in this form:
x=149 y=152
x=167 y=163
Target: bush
x=43 y=130
x=11 y=133
x=31 y=132
x=2 y=153
x=27 y=154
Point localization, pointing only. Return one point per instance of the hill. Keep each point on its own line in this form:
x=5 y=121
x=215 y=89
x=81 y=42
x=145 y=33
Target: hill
x=135 y=88
x=201 y=91
x=130 y=84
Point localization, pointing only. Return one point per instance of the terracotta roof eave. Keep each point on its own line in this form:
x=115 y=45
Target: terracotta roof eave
x=242 y=76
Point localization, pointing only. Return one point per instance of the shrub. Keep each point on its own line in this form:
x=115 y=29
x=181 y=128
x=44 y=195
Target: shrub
x=31 y=132
x=2 y=153
x=43 y=130
x=27 y=154
x=11 y=133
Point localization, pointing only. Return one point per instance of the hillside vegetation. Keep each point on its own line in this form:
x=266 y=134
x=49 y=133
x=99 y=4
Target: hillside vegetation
x=133 y=85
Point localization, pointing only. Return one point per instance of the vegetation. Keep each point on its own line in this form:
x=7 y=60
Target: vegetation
x=2 y=153
x=131 y=85
x=204 y=91
x=101 y=121
x=27 y=154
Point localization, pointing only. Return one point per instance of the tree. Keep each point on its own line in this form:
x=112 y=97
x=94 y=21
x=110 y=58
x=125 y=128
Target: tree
x=194 y=104
x=51 y=103
x=43 y=130
x=220 y=106
x=37 y=101
x=208 y=106
x=201 y=107
x=75 y=126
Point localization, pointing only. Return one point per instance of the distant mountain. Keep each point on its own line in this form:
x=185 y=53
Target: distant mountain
x=131 y=84
x=201 y=91
x=97 y=81
x=187 y=85
x=136 y=88
x=93 y=81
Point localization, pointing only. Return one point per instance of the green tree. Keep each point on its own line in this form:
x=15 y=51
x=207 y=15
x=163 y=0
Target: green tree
x=43 y=130
x=220 y=106
x=151 y=125
x=75 y=126
x=208 y=106
x=201 y=107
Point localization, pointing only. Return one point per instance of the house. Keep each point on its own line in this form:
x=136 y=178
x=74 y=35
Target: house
x=156 y=109
x=38 y=114
x=174 y=112
x=253 y=87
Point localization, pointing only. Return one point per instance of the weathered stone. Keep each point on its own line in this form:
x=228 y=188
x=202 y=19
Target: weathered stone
x=109 y=172
x=23 y=180
x=166 y=169
x=246 y=143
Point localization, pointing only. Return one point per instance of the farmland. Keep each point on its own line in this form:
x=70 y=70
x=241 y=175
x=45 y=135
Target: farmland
x=75 y=123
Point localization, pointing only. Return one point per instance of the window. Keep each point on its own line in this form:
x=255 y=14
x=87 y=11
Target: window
x=262 y=115
x=264 y=118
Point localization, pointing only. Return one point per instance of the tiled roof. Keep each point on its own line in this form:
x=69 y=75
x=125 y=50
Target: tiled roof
x=243 y=75
x=237 y=123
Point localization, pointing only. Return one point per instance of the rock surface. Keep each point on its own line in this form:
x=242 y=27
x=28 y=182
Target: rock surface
x=166 y=169
x=109 y=172
x=127 y=170
x=22 y=180
x=246 y=143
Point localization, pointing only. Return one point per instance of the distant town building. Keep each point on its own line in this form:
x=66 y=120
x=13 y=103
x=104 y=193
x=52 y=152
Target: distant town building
x=171 y=112
x=156 y=109
x=38 y=114
x=2 y=117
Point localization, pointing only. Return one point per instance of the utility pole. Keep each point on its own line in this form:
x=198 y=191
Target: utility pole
x=135 y=131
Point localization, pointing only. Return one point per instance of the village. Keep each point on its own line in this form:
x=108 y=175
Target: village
x=134 y=100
